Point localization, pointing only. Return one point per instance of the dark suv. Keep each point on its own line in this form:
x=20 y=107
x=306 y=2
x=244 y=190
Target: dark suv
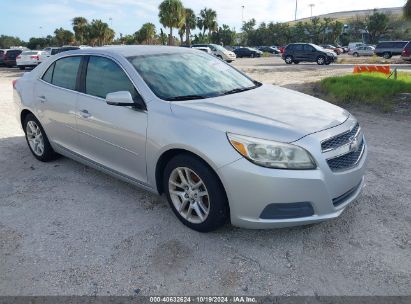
x=10 y=56
x=387 y=49
x=307 y=52
x=247 y=52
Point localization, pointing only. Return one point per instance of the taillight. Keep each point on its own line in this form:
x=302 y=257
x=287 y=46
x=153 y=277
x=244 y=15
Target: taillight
x=14 y=83
x=18 y=57
x=35 y=57
x=406 y=53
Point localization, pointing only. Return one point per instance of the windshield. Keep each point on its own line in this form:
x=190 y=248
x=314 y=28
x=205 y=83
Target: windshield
x=189 y=75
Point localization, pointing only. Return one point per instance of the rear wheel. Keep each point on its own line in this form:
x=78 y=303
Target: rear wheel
x=195 y=193
x=37 y=139
x=321 y=60
x=387 y=55
x=288 y=59
x=356 y=55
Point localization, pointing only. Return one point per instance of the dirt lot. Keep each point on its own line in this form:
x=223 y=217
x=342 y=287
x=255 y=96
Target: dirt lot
x=67 y=229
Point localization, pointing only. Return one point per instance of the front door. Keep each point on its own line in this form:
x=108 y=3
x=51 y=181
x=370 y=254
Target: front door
x=112 y=136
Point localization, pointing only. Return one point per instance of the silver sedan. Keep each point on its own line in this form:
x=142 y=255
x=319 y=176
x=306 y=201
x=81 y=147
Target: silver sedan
x=221 y=146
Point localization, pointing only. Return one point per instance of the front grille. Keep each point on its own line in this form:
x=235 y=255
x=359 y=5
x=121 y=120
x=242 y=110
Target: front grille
x=339 y=140
x=346 y=161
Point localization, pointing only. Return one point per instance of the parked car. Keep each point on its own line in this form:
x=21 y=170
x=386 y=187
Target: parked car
x=282 y=49
x=218 y=51
x=269 y=49
x=366 y=50
x=28 y=59
x=406 y=53
x=205 y=49
x=177 y=121
x=387 y=49
x=307 y=52
x=2 y=51
x=247 y=52
x=354 y=45
x=9 y=57
x=330 y=47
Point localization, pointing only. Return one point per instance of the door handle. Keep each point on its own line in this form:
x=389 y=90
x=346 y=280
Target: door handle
x=85 y=113
x=42 y=99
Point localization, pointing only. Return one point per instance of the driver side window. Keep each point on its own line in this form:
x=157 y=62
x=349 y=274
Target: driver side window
x=105 y=76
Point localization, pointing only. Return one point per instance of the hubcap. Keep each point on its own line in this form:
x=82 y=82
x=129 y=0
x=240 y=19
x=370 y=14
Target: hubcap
x=288 y=59
x=189 y=195
x=321 y=60
x=35 y=138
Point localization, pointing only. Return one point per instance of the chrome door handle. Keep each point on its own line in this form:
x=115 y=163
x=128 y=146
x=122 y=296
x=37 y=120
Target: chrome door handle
x=42 y=99
x=85 y=113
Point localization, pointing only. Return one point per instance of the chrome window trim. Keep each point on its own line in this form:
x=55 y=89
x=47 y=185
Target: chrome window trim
x=96 y=55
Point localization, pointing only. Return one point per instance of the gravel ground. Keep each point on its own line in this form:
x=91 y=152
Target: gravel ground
x=66 y=229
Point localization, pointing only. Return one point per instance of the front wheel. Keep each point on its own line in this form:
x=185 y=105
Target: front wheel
x=321 y=60
x=356 y=55
x=195 y=193
x=37 y=139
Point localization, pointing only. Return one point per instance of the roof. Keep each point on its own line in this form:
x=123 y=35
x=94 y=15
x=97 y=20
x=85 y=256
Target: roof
x=133 y=50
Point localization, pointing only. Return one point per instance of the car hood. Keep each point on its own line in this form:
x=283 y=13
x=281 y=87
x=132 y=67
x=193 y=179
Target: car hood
x=269 y=112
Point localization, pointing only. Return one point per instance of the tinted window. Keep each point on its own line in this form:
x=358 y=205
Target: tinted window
x=298 y=47
x=308 y=48
x=48 y=76
x=290 y=47
x=105 y=76
x=55 y=51
x=400 y=45
x=65 y=72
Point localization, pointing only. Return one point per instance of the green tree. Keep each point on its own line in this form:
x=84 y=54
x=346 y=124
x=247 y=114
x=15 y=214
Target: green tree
x=8 y=41
x=80 y=28
x=171 y=14
x=208 y=21
x=377 y=25
x=100 y=33
x=407 y=9
x=224 y=35
x=189 y=24
x=146 y=34
x=64 y=37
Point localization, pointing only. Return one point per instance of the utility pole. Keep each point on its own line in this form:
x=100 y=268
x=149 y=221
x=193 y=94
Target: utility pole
x=311 y=6
x=242 y=15
x=111 y=22
x=296 y=6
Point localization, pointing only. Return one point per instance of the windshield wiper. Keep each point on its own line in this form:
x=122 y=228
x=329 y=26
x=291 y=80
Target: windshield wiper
x=186 y=97
x=238 y=90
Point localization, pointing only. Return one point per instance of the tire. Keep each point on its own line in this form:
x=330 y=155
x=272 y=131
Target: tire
x=220 y=57
x=327 y=62
x=22 y=68
x=30 y=125
x=213 y=206
x=288 y=59
x=356 y=55
x=387 y=55
x=296 y=62
x=252 y=56
x=321 y=60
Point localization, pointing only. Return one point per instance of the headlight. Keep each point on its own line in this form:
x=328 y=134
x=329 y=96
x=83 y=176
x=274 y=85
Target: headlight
x=272 y=154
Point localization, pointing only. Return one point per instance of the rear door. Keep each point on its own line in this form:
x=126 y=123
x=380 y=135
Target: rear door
x=112 y=136
x=56 y=96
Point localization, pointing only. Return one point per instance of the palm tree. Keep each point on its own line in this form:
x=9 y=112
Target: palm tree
x=100 y=32
x=171 y=15
x=146 y=33
x=80 y=26
x=191 y=23
x=208 y=19
x=407 y=10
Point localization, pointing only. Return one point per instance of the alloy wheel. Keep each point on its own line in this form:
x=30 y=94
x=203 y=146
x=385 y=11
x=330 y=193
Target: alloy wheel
x=189 y=195
x=35 y=138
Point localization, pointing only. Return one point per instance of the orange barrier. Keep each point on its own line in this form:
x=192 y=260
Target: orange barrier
x=372 y=68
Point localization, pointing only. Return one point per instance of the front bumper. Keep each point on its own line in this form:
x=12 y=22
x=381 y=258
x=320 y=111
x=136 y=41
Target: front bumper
x=251 y=189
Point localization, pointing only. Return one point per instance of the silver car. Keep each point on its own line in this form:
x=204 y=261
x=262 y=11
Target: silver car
x=177 y=121
x=365 y=50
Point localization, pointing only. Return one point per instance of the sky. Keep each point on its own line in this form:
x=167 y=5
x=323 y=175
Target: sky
x=28 y=18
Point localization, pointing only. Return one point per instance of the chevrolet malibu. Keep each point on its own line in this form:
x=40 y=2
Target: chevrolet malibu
x=218 y=144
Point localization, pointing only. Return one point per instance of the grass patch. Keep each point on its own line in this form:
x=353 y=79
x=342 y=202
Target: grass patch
x=368 y=88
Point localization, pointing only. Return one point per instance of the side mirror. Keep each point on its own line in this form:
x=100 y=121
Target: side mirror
x=121 y=98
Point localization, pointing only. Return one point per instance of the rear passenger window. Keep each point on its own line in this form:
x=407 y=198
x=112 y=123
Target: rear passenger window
x=65 y=72
x=298 y=47
x=308 y=48
x=105 y=76
x=48 y=76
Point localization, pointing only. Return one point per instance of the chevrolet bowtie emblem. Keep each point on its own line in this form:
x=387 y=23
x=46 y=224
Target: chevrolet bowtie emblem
x=354 y=144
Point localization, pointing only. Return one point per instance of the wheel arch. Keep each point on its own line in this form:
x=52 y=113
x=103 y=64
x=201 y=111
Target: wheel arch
x=23 y=116
x=167 y=155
